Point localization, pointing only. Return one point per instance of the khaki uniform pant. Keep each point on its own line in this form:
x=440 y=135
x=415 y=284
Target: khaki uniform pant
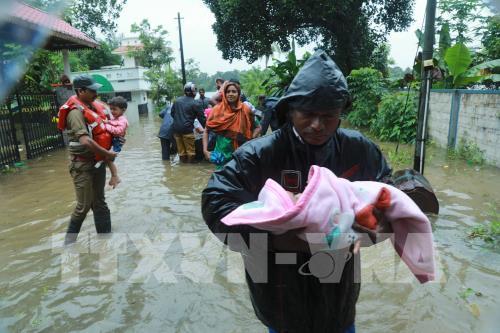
x=89 y=185
x=185 y=144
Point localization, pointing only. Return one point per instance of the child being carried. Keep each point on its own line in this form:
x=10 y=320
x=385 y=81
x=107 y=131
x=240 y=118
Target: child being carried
x=117 y=127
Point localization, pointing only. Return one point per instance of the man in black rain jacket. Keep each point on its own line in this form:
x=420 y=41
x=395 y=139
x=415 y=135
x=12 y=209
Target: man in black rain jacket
x=184 y=111
x=289 y=300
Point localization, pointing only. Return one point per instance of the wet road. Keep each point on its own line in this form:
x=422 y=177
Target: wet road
x=161 y=271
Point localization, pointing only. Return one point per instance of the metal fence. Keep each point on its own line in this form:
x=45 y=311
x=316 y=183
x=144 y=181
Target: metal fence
x=9 y=150
x=38 y=114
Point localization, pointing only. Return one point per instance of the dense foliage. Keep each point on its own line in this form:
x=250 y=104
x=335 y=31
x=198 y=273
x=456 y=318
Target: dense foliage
x=281 y=73
x=251 y=83
x=396 y=118
x=157 y=55
x=465 y=19
x=86 y=15
x=97 y=58
x=155 y=52
x=45 y=67
x=349 y=30
x=366 y=86
x=490 y=40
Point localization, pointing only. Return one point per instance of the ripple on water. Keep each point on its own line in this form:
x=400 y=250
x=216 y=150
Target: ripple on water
x=160 y=201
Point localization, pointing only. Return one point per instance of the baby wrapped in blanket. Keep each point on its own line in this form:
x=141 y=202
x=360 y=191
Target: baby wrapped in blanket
x=329 y=205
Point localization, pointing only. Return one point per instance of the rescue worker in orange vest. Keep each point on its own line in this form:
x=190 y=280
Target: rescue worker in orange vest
x=81 y=116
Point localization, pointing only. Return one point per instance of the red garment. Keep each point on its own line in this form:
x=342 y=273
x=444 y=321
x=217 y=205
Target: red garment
x=230 y=122
x=94 y=119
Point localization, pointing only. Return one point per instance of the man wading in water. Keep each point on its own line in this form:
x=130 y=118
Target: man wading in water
x=75 y=116
x=287 y=301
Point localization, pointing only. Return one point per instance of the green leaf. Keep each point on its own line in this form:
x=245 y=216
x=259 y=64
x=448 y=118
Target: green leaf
x=487 y=64
x=493 y=77
x=420 y=37
x=463 y=80
x=458 y=59
x=444 y=40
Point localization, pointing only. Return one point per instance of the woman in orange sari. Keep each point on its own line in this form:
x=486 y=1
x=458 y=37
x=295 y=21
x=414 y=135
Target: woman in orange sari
x=233 y=123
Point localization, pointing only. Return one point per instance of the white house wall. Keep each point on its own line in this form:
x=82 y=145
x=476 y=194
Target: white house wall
x=127 y=80
x=123 y=79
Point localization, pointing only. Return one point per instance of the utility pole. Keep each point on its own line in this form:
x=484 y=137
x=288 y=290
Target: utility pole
x=182 y=49
x=425 y=87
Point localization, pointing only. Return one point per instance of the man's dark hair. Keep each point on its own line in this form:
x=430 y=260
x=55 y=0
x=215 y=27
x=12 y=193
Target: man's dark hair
x=65 y=79
x=219 y=79
x=201 y=89
x=119 y=102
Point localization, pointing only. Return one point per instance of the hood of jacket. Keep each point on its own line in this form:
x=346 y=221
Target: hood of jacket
x=319 y=85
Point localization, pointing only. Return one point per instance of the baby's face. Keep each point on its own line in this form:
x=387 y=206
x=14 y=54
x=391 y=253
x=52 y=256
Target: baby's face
x=116 y=111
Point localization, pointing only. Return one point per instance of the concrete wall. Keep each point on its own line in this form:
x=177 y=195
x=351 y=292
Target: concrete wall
x=473 y=115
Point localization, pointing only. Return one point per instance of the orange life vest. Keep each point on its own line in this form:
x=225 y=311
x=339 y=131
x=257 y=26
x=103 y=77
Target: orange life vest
x=93 y=118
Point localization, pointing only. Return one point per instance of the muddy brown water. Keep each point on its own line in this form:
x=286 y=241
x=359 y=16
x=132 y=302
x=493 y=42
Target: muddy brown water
x=162 y=271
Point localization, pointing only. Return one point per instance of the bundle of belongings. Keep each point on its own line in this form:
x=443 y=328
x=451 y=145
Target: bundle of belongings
x=330 y=205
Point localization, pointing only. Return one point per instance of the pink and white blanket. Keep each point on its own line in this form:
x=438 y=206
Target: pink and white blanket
x=329 y=205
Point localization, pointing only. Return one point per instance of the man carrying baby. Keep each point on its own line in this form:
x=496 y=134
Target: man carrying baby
x=88 y=180
x=310 y=114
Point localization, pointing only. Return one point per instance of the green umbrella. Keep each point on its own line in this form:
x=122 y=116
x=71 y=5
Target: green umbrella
x=107 y=87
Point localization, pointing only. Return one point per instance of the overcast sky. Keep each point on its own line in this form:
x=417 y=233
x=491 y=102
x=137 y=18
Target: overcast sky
x=200 y=41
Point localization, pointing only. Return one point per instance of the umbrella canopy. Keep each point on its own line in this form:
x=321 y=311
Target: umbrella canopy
x=107 y=87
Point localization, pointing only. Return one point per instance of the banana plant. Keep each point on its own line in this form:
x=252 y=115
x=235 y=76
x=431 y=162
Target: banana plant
x=282 y=73
x=458 y=60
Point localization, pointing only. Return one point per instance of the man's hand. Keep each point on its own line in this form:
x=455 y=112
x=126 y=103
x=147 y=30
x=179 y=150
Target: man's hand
x=381 y=233
x=94 y=147
x=256 y=132
x=111 y=155
x=207 y=155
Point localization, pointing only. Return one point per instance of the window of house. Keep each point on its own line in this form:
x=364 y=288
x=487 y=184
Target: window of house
x=105 y=97
x=125 y=94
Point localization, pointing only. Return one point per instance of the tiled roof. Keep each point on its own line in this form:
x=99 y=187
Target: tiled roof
x=22 y=13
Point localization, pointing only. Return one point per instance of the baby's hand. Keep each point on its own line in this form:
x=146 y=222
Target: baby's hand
x=381 y=233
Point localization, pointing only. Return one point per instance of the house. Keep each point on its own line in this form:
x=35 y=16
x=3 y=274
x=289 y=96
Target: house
x=127 y=80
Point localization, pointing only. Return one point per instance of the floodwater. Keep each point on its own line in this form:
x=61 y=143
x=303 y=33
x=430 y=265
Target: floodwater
x=162 y=271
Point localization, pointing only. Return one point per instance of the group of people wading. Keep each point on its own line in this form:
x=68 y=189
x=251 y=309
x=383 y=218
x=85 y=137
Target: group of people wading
x=209 y=128
x=309 y=135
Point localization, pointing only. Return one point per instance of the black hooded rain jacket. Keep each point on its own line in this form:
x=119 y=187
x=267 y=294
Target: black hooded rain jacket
x=290 y=301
